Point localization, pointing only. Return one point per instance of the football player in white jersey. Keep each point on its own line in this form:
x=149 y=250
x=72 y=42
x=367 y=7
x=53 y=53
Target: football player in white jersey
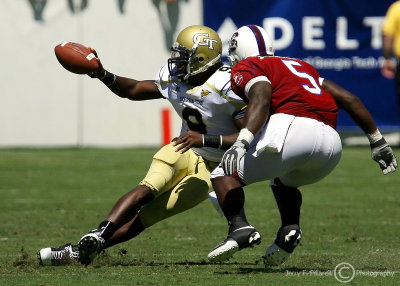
x=197 y=84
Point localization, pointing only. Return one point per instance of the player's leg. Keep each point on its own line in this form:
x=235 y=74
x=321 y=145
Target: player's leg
x=186 y=194
x=126 y=232
x=122 y=213
x=231 y=199
x=240 y=234
x=302 y=143
x=168 y=167
x=166 y=170
x=320 y=162
x=289 y=202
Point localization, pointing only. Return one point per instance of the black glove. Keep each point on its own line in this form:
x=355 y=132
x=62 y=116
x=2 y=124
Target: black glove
x=383 y=154
x=231 y=159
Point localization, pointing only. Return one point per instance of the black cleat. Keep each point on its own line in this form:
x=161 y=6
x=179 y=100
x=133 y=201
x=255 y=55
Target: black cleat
x=287 y=239
x=238 y=239
x=89 y=246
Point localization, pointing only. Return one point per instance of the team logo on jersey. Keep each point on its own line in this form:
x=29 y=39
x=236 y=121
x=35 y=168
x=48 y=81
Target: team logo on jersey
x=202 y=39
x=238 y=78
x=205 y=92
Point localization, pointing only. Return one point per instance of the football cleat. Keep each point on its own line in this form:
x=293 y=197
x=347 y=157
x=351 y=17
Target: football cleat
x=62 y=255
x=89 y=246
x=238 y=239
x=278 y=252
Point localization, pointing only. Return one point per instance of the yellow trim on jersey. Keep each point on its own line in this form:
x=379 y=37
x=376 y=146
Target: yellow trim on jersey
x=193 y=90
x=234 y=103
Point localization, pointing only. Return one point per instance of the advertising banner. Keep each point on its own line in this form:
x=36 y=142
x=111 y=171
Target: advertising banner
x=342 y=39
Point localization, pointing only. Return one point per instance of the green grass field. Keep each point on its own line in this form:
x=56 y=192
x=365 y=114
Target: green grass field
x=50 y=197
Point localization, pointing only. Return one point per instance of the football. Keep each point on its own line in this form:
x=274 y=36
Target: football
x=76 y=58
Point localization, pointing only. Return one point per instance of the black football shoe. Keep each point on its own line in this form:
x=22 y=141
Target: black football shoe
x=89 y=246
x=237 y=239
x=286 y=241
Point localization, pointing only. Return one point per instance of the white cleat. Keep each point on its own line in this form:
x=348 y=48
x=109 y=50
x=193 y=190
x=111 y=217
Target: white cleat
x=275 y=256
x=223 y=251
x=238 y=239
x=63 y=255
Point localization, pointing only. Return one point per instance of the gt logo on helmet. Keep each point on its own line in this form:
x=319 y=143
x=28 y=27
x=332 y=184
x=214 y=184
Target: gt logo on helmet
x=201 y=40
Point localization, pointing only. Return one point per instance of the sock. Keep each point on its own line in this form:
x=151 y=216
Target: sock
x=233 y=209
x=125 y=233
x=238 y=221
x=106 y=229
x=289 y=202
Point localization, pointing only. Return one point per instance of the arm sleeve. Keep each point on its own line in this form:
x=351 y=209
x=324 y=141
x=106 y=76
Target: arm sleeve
x=162 y=80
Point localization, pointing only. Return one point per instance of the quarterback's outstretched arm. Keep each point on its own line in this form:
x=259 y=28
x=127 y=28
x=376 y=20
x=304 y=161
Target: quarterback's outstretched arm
x=381 y=152
x=126 y=87
x=134 y=89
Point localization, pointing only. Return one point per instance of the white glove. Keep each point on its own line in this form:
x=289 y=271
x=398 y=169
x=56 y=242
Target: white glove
x=383 y=154
x=231 y=159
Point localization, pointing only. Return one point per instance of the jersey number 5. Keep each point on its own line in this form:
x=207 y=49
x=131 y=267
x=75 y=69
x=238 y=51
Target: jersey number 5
x=194 y=120
x=314 y=88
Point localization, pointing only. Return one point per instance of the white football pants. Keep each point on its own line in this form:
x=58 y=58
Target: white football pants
x=311 y=150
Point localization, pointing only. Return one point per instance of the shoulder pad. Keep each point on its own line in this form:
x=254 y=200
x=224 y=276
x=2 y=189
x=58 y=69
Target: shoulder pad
x=221 y=79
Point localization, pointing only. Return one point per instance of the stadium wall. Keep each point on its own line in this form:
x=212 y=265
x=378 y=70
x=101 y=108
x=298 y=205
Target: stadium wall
x=43 y=105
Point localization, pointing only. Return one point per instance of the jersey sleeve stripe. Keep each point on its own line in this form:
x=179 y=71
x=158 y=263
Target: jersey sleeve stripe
x=250 y=83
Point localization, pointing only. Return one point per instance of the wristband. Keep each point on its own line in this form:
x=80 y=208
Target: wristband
x=214 y=141
x=380 y=143
x=108 y=79
x=374 y=137
x=245 y=134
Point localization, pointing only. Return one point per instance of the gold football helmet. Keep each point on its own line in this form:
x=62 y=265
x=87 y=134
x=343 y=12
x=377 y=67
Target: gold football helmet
x=195 y=50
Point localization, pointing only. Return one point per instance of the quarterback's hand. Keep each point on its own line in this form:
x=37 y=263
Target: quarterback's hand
x=100 y=72
x=383 y=154
x=187 y=140
x=231 y=159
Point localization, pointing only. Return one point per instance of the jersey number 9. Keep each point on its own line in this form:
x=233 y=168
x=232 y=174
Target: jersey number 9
x=194 y=120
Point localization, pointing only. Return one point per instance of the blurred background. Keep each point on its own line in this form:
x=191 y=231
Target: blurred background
x=43 y=105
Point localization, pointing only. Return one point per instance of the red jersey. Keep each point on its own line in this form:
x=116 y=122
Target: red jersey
x=296 y=87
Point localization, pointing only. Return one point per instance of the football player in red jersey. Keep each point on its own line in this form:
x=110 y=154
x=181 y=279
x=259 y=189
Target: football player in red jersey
x=288 y=137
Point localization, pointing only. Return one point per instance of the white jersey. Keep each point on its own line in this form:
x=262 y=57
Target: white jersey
x=208 y=109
